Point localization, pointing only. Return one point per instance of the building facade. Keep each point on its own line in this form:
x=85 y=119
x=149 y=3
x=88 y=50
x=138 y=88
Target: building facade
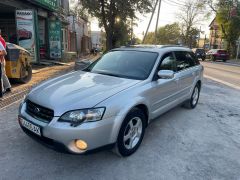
x=97 y=39
x=79 y=35
x=216 y=40
x=40 y=26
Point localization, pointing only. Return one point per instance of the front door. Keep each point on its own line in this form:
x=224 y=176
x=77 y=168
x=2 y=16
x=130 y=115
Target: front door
x=164 y=91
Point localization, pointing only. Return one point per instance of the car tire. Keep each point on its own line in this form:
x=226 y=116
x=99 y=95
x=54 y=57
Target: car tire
x=193 y=101
x=131 y=133
x=213 y=58
x=25 y=78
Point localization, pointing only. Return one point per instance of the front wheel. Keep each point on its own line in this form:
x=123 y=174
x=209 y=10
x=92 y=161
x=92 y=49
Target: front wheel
x=193 y=101
x=25 y=74
x=131 y=132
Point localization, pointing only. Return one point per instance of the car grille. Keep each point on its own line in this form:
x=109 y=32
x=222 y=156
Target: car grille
x=39 y=112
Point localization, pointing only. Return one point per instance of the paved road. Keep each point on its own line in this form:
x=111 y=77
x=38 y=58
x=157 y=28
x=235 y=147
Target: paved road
x=203 y=143
x=224 y=73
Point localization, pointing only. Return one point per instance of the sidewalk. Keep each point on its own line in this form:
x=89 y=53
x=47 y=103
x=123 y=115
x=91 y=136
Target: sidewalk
x=233 y=62
x=46 y=70
x=40 y=73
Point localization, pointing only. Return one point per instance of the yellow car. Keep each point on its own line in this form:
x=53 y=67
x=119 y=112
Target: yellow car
x=18 y=65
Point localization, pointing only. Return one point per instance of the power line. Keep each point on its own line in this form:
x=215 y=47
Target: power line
x=172 y=4
x=180 y=4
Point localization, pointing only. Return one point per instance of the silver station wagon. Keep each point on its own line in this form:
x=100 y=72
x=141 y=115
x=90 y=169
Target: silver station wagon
x=112 y=101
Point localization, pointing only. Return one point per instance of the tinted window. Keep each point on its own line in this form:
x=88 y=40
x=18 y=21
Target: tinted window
x=125 y=64
x=201 y=51
x=184 y=60
x=222 y=51
x=168 y=63
x=195 y=59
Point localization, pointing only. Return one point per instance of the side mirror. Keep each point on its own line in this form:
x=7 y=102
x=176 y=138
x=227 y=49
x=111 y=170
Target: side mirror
x=165 y=74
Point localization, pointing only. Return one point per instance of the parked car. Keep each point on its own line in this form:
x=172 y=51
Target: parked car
x=18 y=63
x=112 y=101
x=217 y=54
x=200 y=53
x=24 y=34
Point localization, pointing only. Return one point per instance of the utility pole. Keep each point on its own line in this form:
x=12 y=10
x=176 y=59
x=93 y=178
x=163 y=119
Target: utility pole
x=150 y=21
x=204 y=47
x=159 y=8
x=199 y=37
x=238 y=46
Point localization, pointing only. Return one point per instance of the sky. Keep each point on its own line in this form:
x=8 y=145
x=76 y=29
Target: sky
x=167 y=15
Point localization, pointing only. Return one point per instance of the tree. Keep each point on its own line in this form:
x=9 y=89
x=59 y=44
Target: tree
x=110 y=12
x=190 y=14
x=228 y=17
x=168 y=34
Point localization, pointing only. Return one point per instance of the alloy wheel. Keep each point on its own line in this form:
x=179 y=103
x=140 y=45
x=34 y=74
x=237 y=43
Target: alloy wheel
x=133 y=133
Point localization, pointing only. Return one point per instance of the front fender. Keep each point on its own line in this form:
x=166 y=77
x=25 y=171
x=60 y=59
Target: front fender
x=120 y=111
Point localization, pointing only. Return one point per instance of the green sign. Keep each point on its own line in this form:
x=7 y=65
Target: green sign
x=51 y=4
x=55 y=39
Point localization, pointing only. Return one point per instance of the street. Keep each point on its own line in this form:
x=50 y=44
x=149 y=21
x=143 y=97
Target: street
x=184 y=144
x=223 y=73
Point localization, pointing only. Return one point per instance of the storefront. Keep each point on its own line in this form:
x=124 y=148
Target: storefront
x=34 y=25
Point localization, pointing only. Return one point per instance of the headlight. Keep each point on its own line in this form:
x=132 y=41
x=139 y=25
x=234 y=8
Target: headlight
x=77 y=117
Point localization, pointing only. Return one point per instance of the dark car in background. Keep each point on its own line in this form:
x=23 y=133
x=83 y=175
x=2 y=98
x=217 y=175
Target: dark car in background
x=199 y=53
x=217 y=54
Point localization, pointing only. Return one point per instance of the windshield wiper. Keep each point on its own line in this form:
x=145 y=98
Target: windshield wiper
x=108 y=74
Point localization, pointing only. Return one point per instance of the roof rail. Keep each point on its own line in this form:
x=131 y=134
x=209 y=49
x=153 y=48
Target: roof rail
x=153 y=46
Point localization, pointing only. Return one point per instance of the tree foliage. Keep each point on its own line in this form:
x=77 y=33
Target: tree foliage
x=228 y=17
x=168 y=34
x=107 y=11
x=189 y=15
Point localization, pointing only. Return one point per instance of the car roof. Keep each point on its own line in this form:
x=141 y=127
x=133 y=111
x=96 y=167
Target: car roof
x=153 y=48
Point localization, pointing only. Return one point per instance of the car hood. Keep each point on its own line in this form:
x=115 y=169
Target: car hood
x=77 y=90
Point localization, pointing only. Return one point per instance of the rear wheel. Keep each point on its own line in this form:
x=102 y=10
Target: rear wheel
x=131 y=132
x=25 y=74
x=193 y=101
x=213 y=58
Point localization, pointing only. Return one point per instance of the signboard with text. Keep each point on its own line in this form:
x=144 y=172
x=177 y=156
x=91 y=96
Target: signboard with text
x=26 y=31
x=55 y=39
x=50 y=4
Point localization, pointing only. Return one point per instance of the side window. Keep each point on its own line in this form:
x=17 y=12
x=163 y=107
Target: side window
x=195 y=59
x=168 y=62
x=181 y=60
x=185 y=60
x=190 y=58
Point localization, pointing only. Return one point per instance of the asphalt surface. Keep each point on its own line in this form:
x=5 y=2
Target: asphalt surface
x=203 y=143
x=224 y=73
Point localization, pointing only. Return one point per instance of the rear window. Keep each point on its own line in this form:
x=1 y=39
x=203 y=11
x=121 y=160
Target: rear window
x=222 y=51
x=200 y=51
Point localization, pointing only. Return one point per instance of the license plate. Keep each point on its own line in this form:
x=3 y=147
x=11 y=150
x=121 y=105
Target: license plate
x=35 y=129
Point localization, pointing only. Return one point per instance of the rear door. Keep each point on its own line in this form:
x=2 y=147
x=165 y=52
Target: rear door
x=186 y=72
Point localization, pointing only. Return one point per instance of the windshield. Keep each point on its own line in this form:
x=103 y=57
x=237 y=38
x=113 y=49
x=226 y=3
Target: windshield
x=125 y=64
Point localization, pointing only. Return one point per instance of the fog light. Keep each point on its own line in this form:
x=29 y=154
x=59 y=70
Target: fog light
x=80 y=144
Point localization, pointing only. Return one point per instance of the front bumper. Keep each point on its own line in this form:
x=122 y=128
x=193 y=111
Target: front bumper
x=62 y=136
